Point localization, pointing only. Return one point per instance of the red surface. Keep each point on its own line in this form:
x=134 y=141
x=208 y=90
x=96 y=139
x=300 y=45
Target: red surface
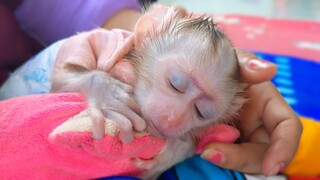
x=293 y=178
x=276 y=36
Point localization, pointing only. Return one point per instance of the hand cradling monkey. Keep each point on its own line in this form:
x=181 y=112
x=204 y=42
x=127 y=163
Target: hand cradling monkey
x=181 y=75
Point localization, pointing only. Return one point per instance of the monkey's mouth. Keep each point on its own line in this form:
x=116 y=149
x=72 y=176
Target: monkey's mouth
x=153 y=129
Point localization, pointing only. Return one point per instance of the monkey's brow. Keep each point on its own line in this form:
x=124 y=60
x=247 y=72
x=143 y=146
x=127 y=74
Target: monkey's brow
x=198 y=83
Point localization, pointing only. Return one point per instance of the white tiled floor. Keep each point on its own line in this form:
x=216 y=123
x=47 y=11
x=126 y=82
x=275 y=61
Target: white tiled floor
x=288 y=9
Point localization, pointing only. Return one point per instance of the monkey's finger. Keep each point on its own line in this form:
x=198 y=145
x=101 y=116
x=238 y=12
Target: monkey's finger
x=124 y=125
x=97 y=119
x=246 y=157
x=139 y=124
x=127 y=88
x=253 y=70
x=123 y=100
x=132 y=104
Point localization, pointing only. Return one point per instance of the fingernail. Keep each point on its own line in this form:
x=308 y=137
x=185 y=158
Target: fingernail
x=255 y=64
x=97 y=136
x=276 y=169
x=213 y=156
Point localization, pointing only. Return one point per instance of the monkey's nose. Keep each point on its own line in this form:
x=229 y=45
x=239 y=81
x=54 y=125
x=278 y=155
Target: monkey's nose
x=173 y=120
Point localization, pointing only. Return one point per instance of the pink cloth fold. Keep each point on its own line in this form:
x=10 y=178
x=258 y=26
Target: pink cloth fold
x=35 y=141
x=27 y=151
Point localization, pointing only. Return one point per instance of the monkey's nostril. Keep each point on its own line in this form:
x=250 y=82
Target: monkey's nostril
x=172 y=121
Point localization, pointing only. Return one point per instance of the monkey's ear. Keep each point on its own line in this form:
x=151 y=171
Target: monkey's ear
x=157 y=17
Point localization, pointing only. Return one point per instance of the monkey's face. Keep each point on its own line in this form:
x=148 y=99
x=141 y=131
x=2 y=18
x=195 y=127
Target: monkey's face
x=181 y=95
x=188 y=75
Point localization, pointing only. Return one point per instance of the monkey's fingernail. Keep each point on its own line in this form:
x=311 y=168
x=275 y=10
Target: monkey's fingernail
x=125 y=138
x=255 y=64
x=96 y=136
x=276 y=169
x=213 y=156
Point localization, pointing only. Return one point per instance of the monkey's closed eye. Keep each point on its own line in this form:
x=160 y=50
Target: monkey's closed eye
x=173 y=87
x=179 y=82
x=198 y=112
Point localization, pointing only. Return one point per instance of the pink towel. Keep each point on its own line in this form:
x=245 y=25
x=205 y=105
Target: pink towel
x=48 y=137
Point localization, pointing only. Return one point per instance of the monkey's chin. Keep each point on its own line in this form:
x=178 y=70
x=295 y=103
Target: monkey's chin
x=174 y=134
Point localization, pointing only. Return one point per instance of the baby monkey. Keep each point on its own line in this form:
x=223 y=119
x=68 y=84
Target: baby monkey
x=185 y=77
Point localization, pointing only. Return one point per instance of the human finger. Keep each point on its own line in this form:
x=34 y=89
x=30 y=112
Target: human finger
x=253 y=70
x=245 y=157
x=285 y=129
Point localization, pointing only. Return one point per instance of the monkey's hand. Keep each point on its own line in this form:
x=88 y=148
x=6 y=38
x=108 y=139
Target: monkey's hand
x=112 y=99
x=108 y=98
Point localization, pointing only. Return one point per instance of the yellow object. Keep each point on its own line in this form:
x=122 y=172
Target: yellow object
x=306 y=162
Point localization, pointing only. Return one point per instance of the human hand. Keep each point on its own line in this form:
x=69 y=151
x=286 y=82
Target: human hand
x=270 y=129
x=85 y=65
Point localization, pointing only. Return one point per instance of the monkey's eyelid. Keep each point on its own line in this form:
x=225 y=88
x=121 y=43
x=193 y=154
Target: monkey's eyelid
x=198 y=112
x=174 y=87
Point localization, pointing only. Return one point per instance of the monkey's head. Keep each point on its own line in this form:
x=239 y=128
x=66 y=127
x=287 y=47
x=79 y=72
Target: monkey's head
x=188 y=73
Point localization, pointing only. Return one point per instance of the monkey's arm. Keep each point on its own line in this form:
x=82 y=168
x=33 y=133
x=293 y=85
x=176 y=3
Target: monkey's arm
x=83 y=65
